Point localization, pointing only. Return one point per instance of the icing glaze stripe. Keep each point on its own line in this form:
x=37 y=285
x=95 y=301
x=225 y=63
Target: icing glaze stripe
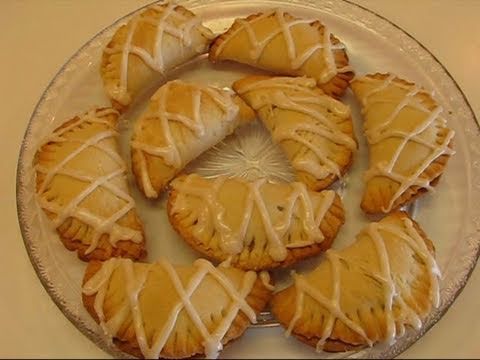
x=135 y=282
x=382 y=132
x=285 y=96
x=232 y=241
x=73 y=209
x=169 y=151
x=404 y=314
x=167 y=22
x=285 y=27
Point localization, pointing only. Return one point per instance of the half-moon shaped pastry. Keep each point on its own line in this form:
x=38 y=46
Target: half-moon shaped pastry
x=314 y=130
x=170 y=311
x=81 y=185
x=182 y=120
x=408 y=138
x=286 y=45
x=367 y=293
x=154 y=41
x=254 y=224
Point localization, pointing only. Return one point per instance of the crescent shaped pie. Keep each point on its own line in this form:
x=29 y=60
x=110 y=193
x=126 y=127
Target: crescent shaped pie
x=314 y=130
x=152 y=42
x=182 y=120
x=253 y=224
x=81 y=185
x=171 y=311
x=367 y=293
x=283 y=44
x=408 y=138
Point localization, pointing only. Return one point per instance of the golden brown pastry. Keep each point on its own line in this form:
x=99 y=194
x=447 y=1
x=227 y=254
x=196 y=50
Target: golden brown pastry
x=408 y=138
x=182 y=120
x=314 y=130
x=171 y=311
x=367 y=293
x=82 y=187
x=283 y=44
x=152 y=42
x=254 y=224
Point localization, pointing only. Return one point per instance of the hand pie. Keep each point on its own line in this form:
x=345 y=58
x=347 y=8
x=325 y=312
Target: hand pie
x=408 y=138
x=285 y=45
x=254 y=224
x=366 y=293
x=314 y=130
x=169 y=311
x=182 y=120
x=82 y=187
x=152 y=42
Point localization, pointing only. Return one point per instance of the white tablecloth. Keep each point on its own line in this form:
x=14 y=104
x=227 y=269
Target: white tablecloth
x=37 y=37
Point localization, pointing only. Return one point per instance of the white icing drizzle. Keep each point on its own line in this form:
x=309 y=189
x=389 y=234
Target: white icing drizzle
x=74 y=209
x=297 y=60
x=98 y=284
x=233 y=241
x=404 y=315
x=226 y=263
x=266 y=280
x=381 y=132
x=169 y=150
x=305 y=101
x=167 y=21
x=135 y=282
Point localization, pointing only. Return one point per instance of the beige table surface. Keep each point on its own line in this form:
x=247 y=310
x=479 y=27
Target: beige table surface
x=36 y=37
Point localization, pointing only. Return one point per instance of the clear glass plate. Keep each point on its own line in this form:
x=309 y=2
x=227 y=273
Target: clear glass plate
x=374 y=44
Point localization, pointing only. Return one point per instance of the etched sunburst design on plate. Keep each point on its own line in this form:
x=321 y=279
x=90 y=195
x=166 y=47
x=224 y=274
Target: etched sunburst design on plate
x=249 y=153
